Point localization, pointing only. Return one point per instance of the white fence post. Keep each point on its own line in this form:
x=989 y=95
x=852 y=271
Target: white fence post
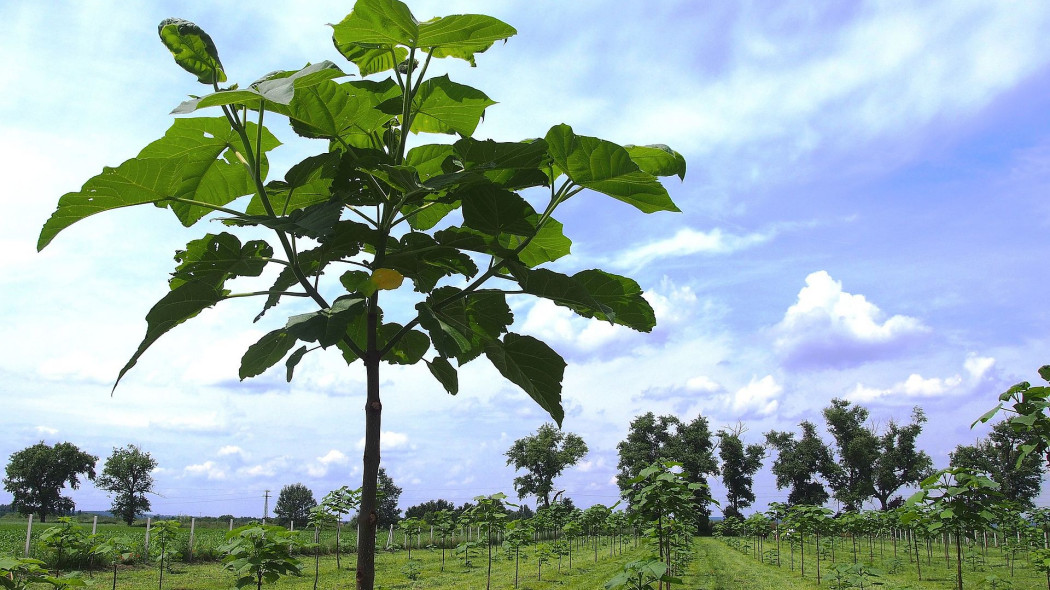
x=231 y=524
x=145 y=545
x=193 y=522
x=94 y=525
x=29 y=533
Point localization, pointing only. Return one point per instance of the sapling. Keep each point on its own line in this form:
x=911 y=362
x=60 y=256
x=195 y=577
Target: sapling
x=445 y=524
x=165 y=534
x=340 y=501
x=116 y=550
x=519 y=534
x=354 y=221
x=320 y=515
x=258 y=553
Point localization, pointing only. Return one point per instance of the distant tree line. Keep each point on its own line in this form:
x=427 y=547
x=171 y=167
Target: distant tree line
x=860 y=463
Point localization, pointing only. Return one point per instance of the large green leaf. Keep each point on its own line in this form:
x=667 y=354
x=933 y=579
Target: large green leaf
x=621 y=295
x=315 y=221
x=180 y=304
x=658 y=160
x=377 y=23
x=429 y=160
x=421 y=259
x=445 y=373
x=307 y=183
x=192 y=49
x=276 y=89
x=533 y=366
x=459 y=326
x=548 y=245
x=406 y=351
x=490 y=155
x=331 y=110
x=215 y=258
x=371 y=60
x=607 y=168
x=561 y=289
x=443 y=106
x=327 y=326
x=462 y=35
x=265 y=353
x=494 y=211
x=375 y=27
x=135 y=182
x=207 y=177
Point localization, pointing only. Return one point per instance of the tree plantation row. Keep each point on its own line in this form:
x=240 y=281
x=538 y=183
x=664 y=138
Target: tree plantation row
x=858 y=465
x=663 y=511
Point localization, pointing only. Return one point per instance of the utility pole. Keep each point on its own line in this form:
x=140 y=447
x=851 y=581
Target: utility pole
x=266 y=505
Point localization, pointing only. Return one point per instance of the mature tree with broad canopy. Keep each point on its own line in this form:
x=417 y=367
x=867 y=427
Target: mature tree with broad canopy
x=1000 y=455
x=739 y=465
x=128 y=477
x=543 y=456
x=653 y=439
x=294 y=504
x=36 y=476
x=852 y=477
x=900 y=462
x=799 y=463
x=466 y=222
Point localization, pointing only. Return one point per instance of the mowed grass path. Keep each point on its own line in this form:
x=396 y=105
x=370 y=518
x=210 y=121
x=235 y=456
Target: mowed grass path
x=719 y=567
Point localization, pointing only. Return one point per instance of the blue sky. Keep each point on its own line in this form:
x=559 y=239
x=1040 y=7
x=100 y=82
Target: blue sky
x=864 y=216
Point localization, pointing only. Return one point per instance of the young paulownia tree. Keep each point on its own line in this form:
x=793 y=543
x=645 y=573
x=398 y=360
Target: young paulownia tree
x=366 y=212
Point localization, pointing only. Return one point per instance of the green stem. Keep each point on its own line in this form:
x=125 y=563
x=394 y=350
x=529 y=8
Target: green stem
x=194 y=203
x=257 y=293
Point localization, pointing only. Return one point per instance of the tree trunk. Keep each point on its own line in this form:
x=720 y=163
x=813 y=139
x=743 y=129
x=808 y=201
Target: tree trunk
x=368 y=517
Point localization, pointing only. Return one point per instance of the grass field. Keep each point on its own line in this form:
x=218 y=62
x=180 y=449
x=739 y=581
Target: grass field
x=719 y=564
x=994 y=569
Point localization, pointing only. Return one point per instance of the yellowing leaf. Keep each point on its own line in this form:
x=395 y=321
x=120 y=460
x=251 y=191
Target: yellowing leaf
x=386 y=279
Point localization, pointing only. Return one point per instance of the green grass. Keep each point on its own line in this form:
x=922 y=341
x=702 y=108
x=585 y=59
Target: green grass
x=584 y=574
x=898 y=572
x=720 y=567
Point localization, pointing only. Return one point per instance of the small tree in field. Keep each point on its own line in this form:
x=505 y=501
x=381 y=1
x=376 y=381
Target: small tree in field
x=369 y=211
x=959 y=502
x=128 y=476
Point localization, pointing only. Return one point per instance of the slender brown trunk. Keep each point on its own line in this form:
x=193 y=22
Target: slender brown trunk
x=369 y=517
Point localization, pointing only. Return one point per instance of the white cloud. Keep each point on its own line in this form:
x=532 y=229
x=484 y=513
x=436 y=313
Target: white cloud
x=918 y=387
x=978 y=366
x=46 y=430
x=788 y=91
x=687 y=242
x=760 y=397
x=334 y=457
x=588 y=466
x=703 y=384
x=203 y=422
x=232 y=450
x=915 y=386
x=830 y=327
x=268 y=469
x=672 y=304
x=208 y=469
